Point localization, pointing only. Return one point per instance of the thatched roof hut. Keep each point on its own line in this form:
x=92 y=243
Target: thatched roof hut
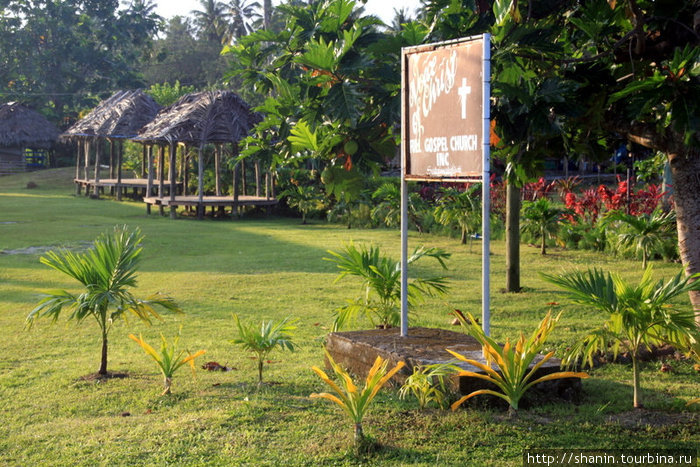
x=200 y=118
x=212 y=117
x=120 y=116
x=21 y=127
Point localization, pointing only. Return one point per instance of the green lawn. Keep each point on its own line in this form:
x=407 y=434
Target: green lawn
x=260 y=268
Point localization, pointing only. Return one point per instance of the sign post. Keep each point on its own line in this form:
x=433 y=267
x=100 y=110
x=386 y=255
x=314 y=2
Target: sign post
x=445 y=124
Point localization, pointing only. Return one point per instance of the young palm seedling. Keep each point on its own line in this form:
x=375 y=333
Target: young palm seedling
x=637 y=316
x=514 y=376
x=107 y=273
x=355 y=402
x=169 y=360
x=262 y=342
x=381 y=280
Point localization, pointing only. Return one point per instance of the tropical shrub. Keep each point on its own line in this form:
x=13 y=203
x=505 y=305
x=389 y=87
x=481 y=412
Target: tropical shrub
x=541 y=220
x=388 y=204
x=645 y=233
x=357 y=214
x=167 y=360
x=427 y=383
x=107 y=272
x=262 y=342
x=460 y=209
x=381 y=281
x=636 y=316
x=304 y=198
x=514 y=375
x=355 y=402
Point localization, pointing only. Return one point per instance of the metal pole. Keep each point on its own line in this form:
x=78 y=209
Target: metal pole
x=404 y=201
x=486 y=192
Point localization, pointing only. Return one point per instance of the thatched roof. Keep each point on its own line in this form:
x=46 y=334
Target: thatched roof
x=120 y=116
x=200 y=118
x=22 y=127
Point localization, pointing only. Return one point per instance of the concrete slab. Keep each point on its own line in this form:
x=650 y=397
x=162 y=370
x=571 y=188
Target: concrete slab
x=357 y=350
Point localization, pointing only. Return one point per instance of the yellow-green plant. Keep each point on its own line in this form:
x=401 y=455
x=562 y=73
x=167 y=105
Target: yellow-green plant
x=693 y=401
x=514 y=376
x=427 y=383
x=262 y=342
x=353 y=401
x=169 y=360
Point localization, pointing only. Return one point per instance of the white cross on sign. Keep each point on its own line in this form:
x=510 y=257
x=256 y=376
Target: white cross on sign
x=463 y=91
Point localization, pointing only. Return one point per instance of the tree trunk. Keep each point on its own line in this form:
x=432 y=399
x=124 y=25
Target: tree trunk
x=260 y=370
x=463 y=240
x=103 y=361
x=635 y=382
x=167 y=384
x=512 y=238
x=685 y=173
x=267 y=14
x=543 y=250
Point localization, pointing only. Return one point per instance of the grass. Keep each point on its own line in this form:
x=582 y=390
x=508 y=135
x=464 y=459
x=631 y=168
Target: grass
x=270 y=268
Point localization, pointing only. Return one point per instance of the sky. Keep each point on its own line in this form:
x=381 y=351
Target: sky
x=382 y=8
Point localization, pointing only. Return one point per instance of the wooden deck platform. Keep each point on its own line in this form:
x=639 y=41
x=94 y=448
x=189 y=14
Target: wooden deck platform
x=214 y=202
x=137 y=184
x=210 y=201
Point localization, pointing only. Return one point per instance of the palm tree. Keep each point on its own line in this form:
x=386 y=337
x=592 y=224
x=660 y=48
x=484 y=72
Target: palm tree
x=381 y=281
x=267 y=14
x=388 y=206
x=401 y=17
x=242 y=17
x=211 y=20
x=541 y=219
x=462 y=208
x=637 y=316
x=107 y=271
x=645 y=232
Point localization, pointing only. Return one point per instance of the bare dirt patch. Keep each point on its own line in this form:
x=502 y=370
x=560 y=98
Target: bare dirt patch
x=40 y=250
x=642 y=417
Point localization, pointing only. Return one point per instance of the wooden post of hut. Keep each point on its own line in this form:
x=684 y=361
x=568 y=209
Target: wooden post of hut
x=143 y=162
x=217 y=160
x=120 y=152
x=149 y=181
x=86 y=176
x=217 y=168
x=184 y=173
x=257 y=178
x=234 y=188
x=98 y=151
x=171 y=171
x=200 y=183
x=112 y=157
x=77 y=169
x=244 y=187
x=161 y=174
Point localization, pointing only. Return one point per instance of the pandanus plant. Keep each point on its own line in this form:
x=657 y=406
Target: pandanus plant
x=514 y=374
x=355 y=402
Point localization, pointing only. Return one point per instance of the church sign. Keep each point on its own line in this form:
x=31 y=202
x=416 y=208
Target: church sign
x=443 y=110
